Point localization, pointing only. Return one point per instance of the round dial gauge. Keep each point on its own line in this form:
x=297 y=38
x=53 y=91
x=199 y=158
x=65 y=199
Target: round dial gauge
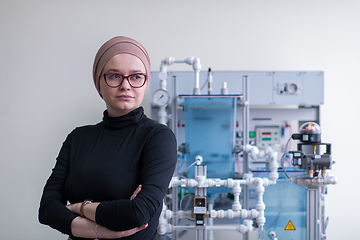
x=293 y=88
x=161 y=97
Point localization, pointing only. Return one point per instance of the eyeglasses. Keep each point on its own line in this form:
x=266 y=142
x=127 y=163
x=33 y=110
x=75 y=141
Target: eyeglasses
x=114 y=80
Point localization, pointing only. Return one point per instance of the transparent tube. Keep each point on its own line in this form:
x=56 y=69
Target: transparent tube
x=261 y=232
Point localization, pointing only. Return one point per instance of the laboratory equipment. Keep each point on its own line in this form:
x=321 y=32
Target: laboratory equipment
x=237 y=169
x=306 y=157
x=161 y=97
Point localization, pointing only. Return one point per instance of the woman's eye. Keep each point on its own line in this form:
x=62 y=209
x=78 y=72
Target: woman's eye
x=137 y=77
x=113 y=76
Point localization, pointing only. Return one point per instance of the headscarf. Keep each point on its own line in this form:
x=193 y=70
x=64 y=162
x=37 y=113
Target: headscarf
x=118 y=45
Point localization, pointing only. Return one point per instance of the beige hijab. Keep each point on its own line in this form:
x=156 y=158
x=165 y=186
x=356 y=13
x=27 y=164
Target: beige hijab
x=116 y=46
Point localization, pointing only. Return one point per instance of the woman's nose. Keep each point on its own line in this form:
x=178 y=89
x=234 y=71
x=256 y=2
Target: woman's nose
x=125 y=84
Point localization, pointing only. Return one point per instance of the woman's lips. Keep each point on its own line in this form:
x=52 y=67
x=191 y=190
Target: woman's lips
x=124 y=97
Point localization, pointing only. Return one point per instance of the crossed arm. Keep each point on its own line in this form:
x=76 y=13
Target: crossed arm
x=86 y=226
x=115 y=218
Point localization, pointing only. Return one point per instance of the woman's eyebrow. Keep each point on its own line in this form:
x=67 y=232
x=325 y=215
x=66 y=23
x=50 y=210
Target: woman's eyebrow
x=131 y=71
x=136 y=71
x=112 y=70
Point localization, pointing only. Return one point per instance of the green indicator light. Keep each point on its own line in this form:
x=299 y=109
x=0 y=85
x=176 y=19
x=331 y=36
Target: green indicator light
x=266 y=139
x=251 y=134
x=275 y=133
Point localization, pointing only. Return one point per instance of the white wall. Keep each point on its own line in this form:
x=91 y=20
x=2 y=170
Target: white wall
x=46 y=89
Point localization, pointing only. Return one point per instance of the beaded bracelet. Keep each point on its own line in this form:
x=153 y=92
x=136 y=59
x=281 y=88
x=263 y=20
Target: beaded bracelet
x=82 y=207
x=96 y=228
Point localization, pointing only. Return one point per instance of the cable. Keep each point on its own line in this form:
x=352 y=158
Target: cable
x=238 y=164
x=204 y=84
x=198 y=161
x=191 y=165
x=300 y=175
x=282 y=158
x=183 y=156
x=189 y=201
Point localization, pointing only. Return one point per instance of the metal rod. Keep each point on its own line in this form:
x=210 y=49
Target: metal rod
x=175 y=211
x=246 y=120
x=246 y=141
x=312 y=213
x=174 y=107
x=174 y=128
x=322 y=212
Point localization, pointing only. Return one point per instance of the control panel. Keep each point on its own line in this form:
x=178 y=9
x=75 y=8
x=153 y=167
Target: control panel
x=267 y=136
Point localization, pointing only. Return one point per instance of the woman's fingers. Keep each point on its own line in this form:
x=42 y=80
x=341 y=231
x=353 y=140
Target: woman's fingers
x=132 y=231
x=136 y=192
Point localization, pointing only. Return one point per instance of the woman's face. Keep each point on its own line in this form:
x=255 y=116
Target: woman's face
x=123 y=99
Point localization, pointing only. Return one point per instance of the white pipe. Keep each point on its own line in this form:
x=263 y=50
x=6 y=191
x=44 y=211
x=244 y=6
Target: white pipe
x=260 y=206
x=209 y=182
x=236 y=190
x=243 y=213
x=242 y=228
x=273 y=165
x=195 y=62
x=210 y=222
x=255 y=153
x=224 y=89
x=162 y=222
x=162 y=114
x=223 y=228
x=271 y=156
x=236 y=211
x=197 y=83
x=192 y=227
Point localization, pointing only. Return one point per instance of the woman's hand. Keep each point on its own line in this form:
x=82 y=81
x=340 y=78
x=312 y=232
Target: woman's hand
x=85 y=228
x=136 y=192
x=131 y=231
x=74 y=207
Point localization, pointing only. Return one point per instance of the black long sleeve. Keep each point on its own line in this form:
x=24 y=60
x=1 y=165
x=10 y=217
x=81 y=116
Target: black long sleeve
x=105 y=163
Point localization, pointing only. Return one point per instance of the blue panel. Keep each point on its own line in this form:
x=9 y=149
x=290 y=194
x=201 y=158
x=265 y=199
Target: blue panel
x=313 y=88
x=261 y=88
x=285 y=202
x=210 y=132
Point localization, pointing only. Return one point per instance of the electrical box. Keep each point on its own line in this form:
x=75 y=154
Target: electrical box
x=266 y=88
x=267 y=136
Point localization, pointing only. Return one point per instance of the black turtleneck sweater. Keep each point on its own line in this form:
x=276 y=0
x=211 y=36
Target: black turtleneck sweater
x=106 y=162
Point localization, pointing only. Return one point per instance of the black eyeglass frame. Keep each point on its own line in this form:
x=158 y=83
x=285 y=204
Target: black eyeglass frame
x=123 y=78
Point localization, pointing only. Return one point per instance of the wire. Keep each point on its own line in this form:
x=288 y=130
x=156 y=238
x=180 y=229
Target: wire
x=182 y=157
x=191 y=165
x=237 y=163
x=204 y=84
x=190 y=198
x=282 y=158
x=207 y=79
x=299 y=175
x=198 y=160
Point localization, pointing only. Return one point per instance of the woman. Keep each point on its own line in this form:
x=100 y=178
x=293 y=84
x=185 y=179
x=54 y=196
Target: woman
x=115 y=173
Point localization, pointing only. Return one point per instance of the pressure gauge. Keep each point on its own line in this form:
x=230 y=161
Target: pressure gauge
x=293 y=88
x=161 y=97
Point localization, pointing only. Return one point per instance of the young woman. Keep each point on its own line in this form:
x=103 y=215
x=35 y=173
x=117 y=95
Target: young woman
x=115 y=173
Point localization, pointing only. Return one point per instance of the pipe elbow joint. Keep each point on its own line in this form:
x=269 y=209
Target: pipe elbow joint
x=190 y=60
x=197 y=65
x=168 y=61
x=254 y=151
